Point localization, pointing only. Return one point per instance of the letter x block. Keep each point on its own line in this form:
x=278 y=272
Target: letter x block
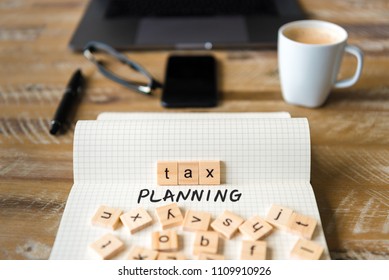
x=209 y=172
x=227 y=224
x=206 y=242
x=255 y=228
x=107 y=246
x=107 y=217
x=169 y=215
x=136 y=220
x=140 y=253
x=165 y=240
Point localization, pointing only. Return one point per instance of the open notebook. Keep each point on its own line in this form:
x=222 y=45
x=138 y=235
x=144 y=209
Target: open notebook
x=265 y=158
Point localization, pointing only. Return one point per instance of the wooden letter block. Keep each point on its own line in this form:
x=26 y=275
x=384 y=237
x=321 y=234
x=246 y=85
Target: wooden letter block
x=165 y=240
x=171 y=256
x=167 y=173
x=211 y=257
x=136 y=220
x=279 y=216
x=209 y=172
x=307 y=250
x=188 y=173
x=255 y=228
x=169 y=215
x=253 y=250
x=107 y=217
x=196 y=221
x=107 y=246
x=227 y=224
x=206 y=242
x=140 y=253
x=302 y=225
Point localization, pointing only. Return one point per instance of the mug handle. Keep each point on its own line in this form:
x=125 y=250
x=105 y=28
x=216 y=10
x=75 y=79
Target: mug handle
x=354 y=50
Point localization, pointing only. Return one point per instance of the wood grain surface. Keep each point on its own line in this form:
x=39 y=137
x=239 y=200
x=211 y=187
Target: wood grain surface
x=350 y=134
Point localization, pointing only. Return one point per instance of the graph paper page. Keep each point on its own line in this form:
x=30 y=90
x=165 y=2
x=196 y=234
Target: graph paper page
x=264 y=161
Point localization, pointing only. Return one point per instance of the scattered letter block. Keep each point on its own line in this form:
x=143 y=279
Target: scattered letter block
x=169 y=215
x=107 y=217
x=279 y=216
x=196 y=221
x=188 y=173
x=307 y=250
x=136 y=220
x=302 y=225
x=255 y=228
x=206 y=242
x=253 y=250
x=209 y=172
x=211 y=257
x=171 y=256
x=140 y=253
x=165 y=240
x=227 y=224
x=107 y=246
x=167 y=173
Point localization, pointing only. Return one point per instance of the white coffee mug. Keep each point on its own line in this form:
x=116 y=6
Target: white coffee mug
x=309 y=57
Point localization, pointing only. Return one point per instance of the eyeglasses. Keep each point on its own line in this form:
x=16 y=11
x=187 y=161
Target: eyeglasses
x=98 y=47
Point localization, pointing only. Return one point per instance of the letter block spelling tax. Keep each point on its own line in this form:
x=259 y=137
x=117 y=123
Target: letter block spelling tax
x=227 y=224
x=107 y=246
x=169 y=215
x=167 y=173
x=136 y=220
x=165 y=240
x=206 y=242
x=255 y=228
x=140 y=253
x=107 y=217
x=253 y=250
x=196 y=221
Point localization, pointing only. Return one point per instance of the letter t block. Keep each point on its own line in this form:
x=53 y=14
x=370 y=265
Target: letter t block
x=167 y=173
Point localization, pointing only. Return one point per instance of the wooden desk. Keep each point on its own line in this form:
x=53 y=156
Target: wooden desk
x=350 y=143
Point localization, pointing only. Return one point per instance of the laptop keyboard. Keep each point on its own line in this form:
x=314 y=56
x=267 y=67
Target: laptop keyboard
x=120 y=8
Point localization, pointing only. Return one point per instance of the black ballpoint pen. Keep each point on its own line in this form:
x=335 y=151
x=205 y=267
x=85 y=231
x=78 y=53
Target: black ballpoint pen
x=68 y=103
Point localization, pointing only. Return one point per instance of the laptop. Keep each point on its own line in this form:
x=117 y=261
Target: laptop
x=184 y=24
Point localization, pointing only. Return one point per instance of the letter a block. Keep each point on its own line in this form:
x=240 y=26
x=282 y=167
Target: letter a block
x=209 y=172
x=279 y=216
x=169 y=215
x=206 y=242
x=227 y=224
x=188 y=173
x=253 y=250
x=136 y=220
x=165 y=240
x=196 y=221
x=107 y=246
x=167 y=172
x=107 y=217
x=255 y=228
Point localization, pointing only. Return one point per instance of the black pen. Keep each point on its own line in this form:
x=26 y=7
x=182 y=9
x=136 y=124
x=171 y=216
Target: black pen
x=68 y=103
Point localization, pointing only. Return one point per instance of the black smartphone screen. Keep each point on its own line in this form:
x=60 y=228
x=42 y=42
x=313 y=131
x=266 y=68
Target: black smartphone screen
x=190 y=82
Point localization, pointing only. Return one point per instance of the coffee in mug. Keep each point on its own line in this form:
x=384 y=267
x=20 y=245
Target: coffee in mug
x=309 y=57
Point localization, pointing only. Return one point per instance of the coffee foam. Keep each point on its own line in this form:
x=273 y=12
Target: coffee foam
x=313 y=35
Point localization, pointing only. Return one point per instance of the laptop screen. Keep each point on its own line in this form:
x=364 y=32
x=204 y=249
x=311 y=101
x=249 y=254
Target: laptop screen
x=123 y=8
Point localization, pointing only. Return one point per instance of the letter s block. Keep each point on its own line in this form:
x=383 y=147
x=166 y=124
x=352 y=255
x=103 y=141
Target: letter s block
x=167 y=173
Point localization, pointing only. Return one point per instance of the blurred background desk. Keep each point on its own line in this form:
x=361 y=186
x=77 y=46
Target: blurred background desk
x=350 y=134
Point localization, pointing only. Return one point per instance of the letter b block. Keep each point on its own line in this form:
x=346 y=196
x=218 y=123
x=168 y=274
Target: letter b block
x=167 y=173
x=206 y=242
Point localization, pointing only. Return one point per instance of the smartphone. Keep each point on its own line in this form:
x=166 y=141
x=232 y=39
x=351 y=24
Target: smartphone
x=191 y=81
